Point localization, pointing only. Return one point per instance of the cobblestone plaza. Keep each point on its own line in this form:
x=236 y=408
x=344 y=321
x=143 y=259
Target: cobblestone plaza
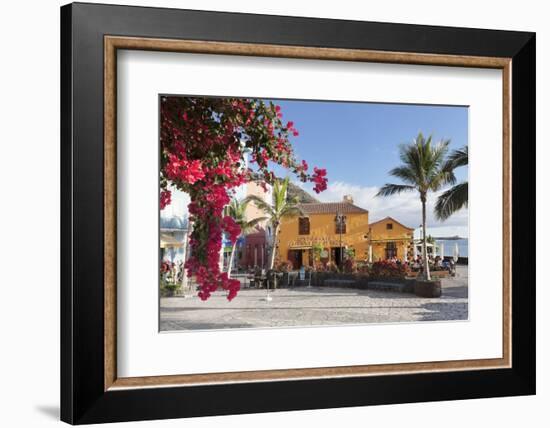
x=304 y=306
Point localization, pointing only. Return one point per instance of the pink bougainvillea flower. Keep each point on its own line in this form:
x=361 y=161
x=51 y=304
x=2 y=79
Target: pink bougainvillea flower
x=204 y=145
x=320 y=180
x=165 y=198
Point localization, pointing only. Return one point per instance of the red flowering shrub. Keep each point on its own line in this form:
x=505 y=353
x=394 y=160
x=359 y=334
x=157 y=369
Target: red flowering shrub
x=388 y=269
x=165 y=266
x=165 y=198
x=349 y=265
x=231 y=227
x=204 y=142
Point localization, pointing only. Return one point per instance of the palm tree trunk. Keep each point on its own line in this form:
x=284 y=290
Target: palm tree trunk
x=230 y=264
x=274 y=247
x=424 y=247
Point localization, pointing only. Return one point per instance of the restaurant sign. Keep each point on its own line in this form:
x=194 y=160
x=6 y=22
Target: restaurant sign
x=310 y=241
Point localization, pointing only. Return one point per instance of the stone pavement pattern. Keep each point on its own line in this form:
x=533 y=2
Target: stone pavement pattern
x=302 y=306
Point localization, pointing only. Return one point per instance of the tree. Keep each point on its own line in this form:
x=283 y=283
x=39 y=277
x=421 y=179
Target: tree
x=204 y=145
x=317 y=250
x=456 y=197
x=423 y=170
x=282 y=206
x=237 y=211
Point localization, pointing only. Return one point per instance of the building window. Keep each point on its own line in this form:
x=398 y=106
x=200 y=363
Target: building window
x=340 y=223
x=389 y=226
x=303 y=226
x=391 y=250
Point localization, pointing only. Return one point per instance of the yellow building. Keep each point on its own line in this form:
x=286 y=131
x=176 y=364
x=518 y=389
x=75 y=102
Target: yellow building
x=389 y=238
x=339 y=228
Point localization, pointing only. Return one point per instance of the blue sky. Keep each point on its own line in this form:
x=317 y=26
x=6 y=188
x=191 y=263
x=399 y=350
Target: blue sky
x=358 y=144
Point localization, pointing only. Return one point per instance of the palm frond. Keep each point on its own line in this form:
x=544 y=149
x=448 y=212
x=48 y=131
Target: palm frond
x=409 y=155
x=292 y=211
x=440 y=178
x=457 y=158
x=279 y=193
x=249 y=226
x=392 y=189
x=451 y=201
x=439 y=152
x=260 y=204
x=404 y=173
x=236 y=209
x=281 y=205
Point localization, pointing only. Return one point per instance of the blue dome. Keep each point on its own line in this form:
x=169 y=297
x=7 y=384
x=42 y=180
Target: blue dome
x=174 y=222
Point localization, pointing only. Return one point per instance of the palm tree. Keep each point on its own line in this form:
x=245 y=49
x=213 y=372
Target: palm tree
x=422 y=171
x=282 y=207
x=456 y=197
x=237 y=210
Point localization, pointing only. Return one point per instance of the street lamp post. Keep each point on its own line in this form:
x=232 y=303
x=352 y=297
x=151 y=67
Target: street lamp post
x=340 y=221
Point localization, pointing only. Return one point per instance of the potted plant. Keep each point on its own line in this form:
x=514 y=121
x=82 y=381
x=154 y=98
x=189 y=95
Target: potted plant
x=168 y=289
x=427 y=288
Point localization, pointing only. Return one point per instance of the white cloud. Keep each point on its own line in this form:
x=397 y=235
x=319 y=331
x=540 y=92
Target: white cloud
x=178 y=206
x=405 y=207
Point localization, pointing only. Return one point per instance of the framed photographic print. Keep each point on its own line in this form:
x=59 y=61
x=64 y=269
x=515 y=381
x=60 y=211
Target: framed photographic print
x=266 y=213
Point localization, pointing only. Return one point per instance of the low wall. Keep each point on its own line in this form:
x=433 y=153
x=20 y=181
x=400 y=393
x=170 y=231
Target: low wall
x=344 y=280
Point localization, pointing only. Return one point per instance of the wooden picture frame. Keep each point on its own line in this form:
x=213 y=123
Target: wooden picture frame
x=91 y=390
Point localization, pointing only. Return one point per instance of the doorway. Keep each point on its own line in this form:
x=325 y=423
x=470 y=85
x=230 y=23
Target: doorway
x=337 y=254
x=391 y=250
x=295 y=257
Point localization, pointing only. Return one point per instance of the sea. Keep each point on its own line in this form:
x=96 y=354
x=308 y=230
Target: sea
x=449 y=246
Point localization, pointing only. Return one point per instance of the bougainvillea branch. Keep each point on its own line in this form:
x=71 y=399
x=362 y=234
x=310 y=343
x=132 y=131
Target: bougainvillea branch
x=204 y=145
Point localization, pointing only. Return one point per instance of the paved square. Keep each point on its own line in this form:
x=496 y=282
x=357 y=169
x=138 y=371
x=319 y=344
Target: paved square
x=303 y=306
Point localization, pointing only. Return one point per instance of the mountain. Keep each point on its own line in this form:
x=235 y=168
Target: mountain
x=301 y=194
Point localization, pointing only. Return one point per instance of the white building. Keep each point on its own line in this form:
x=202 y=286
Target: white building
x=173 y=238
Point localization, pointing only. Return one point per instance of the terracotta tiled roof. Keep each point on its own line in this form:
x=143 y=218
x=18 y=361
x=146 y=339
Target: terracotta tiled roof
x=331 y=208
x=386 y=219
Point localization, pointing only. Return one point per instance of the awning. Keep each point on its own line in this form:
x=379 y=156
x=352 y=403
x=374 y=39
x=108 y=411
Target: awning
x=419 y=244
x=382 y=241
x=168 y=241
